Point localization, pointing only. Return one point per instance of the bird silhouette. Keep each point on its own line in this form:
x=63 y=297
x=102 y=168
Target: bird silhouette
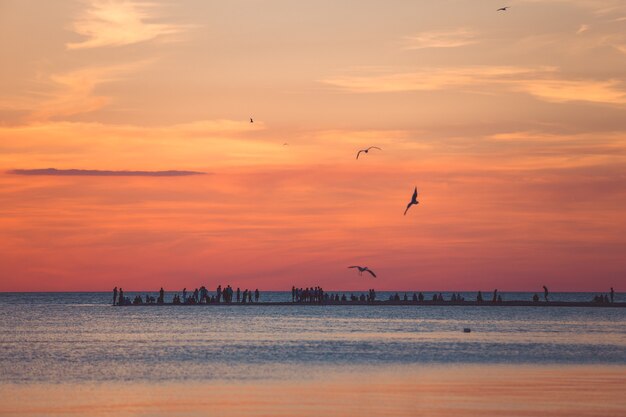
x=367 y=150
x=363 y=269
x=251 y=120
x=413 y=201
x=503 y=9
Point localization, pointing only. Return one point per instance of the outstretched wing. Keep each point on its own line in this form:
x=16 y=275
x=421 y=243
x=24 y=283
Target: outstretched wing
x=354 y=266
x=359 y=153
x=373 y=274
x=374 y=147
x=407 y=207
x=414 y=198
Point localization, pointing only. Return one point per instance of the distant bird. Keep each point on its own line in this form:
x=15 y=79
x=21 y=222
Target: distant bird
x=367 y=150
x=413 y=201
x=285 y=144
x=503 y=9
x=251 y=120
x=363 y=269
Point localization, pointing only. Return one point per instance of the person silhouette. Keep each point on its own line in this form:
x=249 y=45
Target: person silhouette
x=545 y=293
x=115 y=295
x=120 y=299
x=612 y=295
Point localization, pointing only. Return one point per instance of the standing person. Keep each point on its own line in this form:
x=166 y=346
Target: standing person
x=495 y=296
x=161 y=299
x=612 y=295
x=120 y=299
x=249 y=296
x=545 y=293
x=293 y=293
x=115 y=295
x=219 y=293
x=256 y=295
x=238 y=294
x=184 y=295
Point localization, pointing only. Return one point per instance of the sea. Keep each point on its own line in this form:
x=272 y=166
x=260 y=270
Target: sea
x=74 y=353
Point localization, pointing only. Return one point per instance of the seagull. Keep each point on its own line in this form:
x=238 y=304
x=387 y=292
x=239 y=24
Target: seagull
x=413 y=201
x=251 y=121
x=285 y=144
x=367 y=150
x=363 y=269
x=503 y=9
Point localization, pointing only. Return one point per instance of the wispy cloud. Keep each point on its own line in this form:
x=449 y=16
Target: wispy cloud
x=582 y=29
x=561 y=91
x=103 y=173
x=74 y=92
x=118 y=22
x=428 y=79
x=545 y=83
x=441 y=39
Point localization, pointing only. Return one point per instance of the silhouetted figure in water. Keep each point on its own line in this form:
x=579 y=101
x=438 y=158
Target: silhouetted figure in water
x=185 y=295
x=545 y=293
x=120 y=299
x=219 y=293
x=250 y=296
x=161 y=299
x=495 y=296
x=420 y=297
x=238 y=294
x=293 y=294
x=256 y=295
x=499 y=298
x=535 y=298
x=479 y=297
x=115 y=295
x=612 y=295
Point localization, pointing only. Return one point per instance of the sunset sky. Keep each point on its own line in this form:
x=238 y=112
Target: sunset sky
x=511 y=124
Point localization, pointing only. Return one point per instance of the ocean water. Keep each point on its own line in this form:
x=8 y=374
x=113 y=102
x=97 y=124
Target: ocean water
x=78 y=338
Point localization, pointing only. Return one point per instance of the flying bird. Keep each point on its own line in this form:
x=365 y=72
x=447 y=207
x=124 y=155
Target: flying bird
x=367 y=150
x=285 y=144
x=363 y=269
x=251 y=121
x=503 y=9
x=413 y=201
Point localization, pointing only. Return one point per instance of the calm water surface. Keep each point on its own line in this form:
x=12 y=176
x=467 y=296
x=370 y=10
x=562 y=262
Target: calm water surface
x=57 y=343
x=74 y=337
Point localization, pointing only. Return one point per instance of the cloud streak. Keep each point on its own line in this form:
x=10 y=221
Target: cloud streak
x=441 y=39
x=544 y=83
x=118 y=23
x=102 y=173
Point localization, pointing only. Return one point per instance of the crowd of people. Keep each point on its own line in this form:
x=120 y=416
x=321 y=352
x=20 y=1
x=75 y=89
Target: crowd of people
x=198 y=296
x=313 y=295
x=605 y=299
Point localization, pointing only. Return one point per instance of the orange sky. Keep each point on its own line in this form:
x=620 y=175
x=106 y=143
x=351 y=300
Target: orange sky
x=512 y=126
